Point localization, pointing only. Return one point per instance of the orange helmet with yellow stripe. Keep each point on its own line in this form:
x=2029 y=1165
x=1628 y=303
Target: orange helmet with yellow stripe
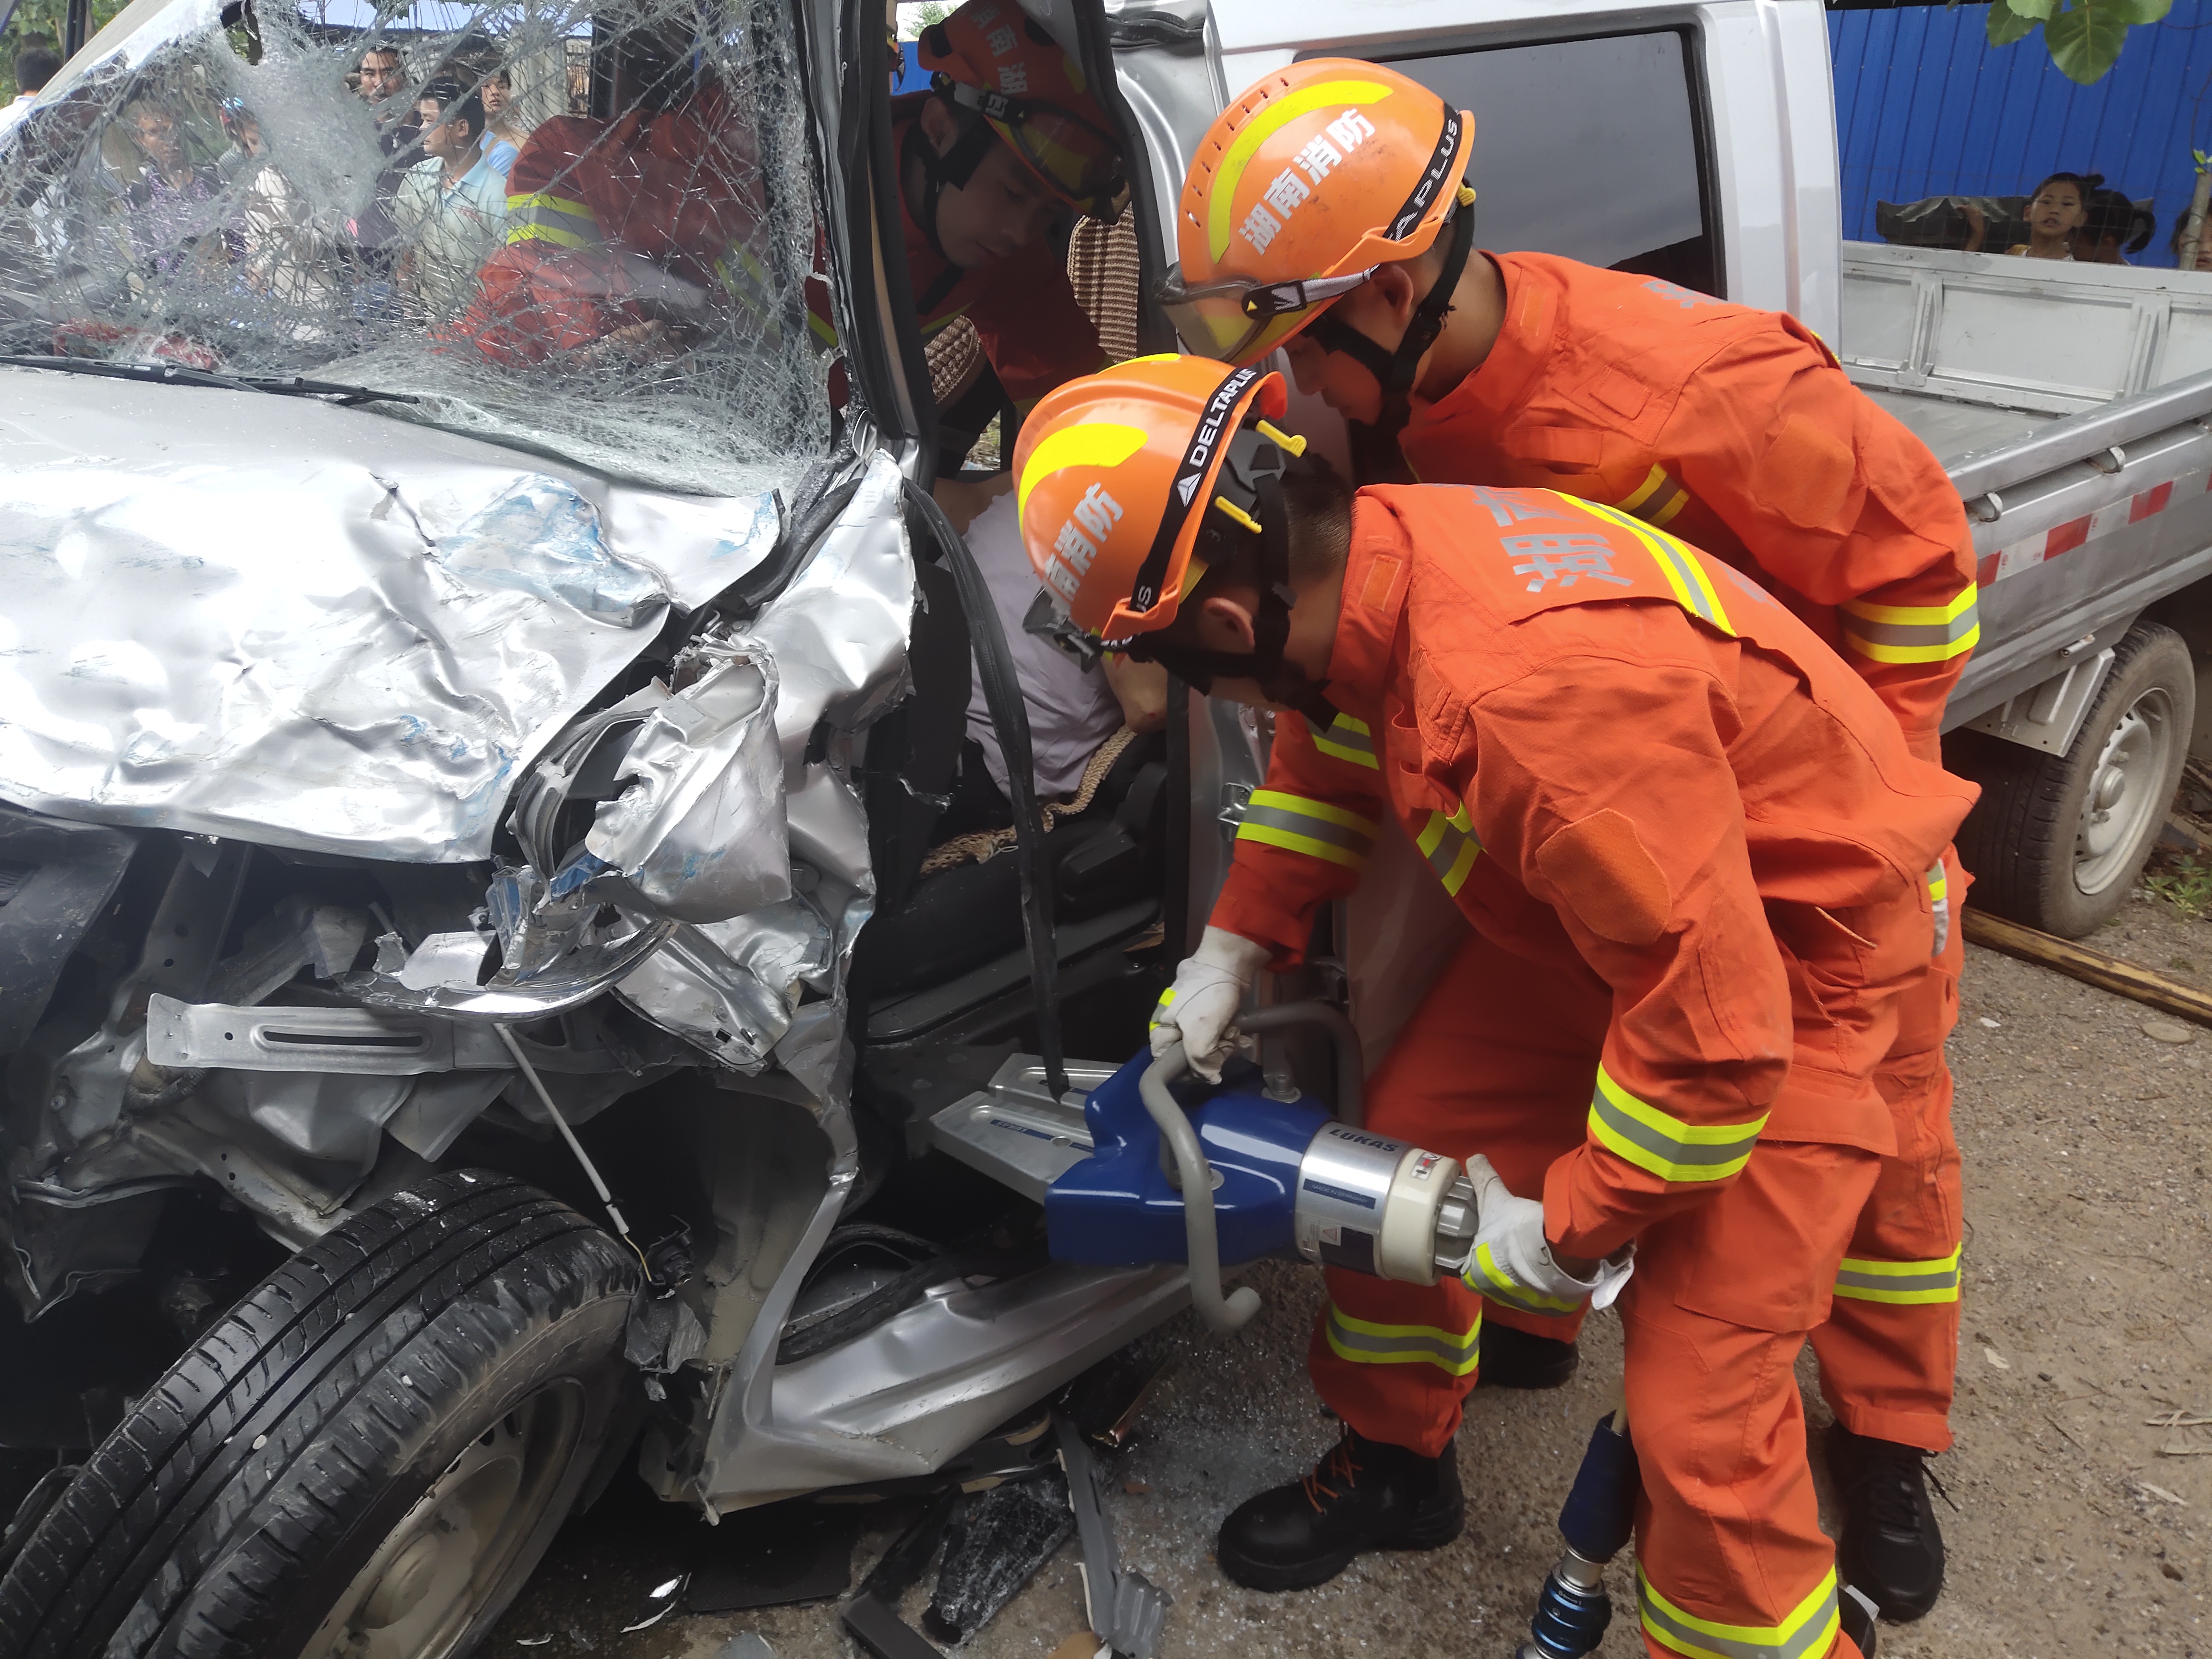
x=1117 y=475
x=1318 y=174
x=992 y=58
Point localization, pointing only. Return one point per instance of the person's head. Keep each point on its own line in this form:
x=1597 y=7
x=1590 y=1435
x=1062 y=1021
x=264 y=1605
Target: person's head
x=497 y=92
x=1011 y=138
x=2204 y=242
x=1312 y=216
x=2112 y=226
x=2061 y=203
x=1167 y=516
x=153 y=127
x=35 y=66
x=452 y=120
x=382 y=75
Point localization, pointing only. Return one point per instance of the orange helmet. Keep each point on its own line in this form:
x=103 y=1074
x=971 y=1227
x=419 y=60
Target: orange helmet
x=1318 y=174
x=1117 y=475
x=992 y=58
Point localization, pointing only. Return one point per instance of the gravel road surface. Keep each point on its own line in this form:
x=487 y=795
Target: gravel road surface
x=2080 y=1494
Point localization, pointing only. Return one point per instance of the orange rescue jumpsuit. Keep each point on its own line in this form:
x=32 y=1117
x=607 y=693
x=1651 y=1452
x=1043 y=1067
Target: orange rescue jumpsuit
x=1691 y=844
x=1735 y=429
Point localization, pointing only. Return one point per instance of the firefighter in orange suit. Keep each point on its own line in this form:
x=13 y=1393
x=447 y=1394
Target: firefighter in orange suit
x=1326 y=213
x=1690 y=840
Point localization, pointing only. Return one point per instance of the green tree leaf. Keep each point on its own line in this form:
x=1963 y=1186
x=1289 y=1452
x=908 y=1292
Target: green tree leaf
x=2085 y=39
x=2007 y=26
x=2037 y=11
x=2141 y=11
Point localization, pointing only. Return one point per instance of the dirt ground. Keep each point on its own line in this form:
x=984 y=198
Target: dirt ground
x=2077 y=1521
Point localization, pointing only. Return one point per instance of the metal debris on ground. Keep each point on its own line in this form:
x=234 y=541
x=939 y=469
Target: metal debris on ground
x=748 y=1644
x=1125 y=1608
x=995 y=1543
x=663 y=1599
x=871 y=1617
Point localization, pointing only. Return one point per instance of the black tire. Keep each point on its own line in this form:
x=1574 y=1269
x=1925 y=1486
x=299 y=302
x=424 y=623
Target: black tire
x=470 y=1327
x=2032 y=842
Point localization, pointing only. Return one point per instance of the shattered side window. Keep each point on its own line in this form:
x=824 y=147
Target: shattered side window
x=583 y=227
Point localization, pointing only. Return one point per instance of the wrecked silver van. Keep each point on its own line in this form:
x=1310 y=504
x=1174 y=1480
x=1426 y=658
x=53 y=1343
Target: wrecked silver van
x=452 y=795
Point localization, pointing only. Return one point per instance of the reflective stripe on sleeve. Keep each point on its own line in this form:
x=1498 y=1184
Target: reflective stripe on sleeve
x=1808 y=1633
x=1939 y=901
x=1664 y=1144
x=1346 y=740
x=1865 y=1279
x=1484 y=1277
x=1363 y=1343
x=1449 y=843
x=1302 y=824
x=1692 y=588
x=539 y=216
x=1912 y=633
x=1657 y=498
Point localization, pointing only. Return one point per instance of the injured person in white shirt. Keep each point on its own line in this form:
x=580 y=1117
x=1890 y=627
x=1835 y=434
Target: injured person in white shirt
x=1075 y=714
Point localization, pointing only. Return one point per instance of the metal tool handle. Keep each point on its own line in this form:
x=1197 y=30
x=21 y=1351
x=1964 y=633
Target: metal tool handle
x=1344 y=1040
x=1201 y=1242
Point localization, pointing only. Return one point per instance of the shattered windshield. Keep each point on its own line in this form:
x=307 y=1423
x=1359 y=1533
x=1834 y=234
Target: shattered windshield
x=581 y=228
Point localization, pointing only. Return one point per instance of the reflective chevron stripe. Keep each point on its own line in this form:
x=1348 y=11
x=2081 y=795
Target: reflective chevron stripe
x=538 y=216
x=1484 y=1277
x=1939 y=900
x=1346 y=740
x=1912 y=633
x=1693 y=587
x=1664 y=1144
x=1657 y=498
x=1363 y=1343
x=1864 y=1279
x=1808 y=1633
x=1302 y=824
x=1449 y=843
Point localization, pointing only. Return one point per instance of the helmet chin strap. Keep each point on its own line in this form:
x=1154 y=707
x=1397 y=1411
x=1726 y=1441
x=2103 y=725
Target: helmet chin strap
x=1280 y=680
x=1393 y=371
x=955 y=166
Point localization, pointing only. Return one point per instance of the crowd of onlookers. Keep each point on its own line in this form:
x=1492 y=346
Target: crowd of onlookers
x=200 y=192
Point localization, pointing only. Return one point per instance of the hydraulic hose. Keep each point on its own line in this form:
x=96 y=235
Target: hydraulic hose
x=1201 y=1242
x=1343 y=1041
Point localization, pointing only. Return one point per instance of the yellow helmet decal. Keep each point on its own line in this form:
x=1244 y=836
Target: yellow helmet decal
x=1095 y=443
x=1220 y=208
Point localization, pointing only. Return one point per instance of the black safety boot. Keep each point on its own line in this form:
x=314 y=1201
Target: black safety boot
x=1364 y=1495
x=1891 y=1547
x=1515 y=1359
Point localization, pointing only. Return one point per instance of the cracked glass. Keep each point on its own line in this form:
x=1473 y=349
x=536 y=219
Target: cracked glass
x=587 y=230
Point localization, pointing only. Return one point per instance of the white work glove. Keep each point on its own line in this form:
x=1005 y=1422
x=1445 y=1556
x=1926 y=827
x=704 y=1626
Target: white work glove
x=1512 y=1262
x=1200 y=1009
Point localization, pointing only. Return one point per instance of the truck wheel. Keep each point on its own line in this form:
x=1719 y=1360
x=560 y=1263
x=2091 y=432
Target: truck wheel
x=363 y=1460
x=2058 y=841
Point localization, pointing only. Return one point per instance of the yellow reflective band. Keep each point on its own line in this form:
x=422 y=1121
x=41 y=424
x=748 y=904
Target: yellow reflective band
x=1449 y=843
x=1482 y=1274
x=1664 y=1144
x=1864 y=1279
x=565 y=205
x=531 y=232
x=1220 y=209
x=1094 y=443
x=1657 y=498
x=1939 y=884
x=1302 y=824
x=1677 y=562
x=1364 y=1343
x=1166 y=997
x=1808 y=1633
x=1346 y=739
x=1913 y=633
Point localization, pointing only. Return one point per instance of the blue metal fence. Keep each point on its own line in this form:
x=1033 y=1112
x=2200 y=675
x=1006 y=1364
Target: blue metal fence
x=1925 y=107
